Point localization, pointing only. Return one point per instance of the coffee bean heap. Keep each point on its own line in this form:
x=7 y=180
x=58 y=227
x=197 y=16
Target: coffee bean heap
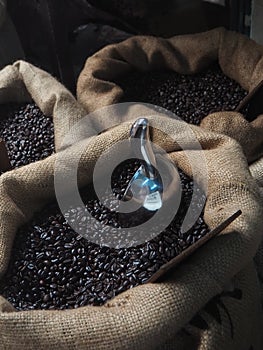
x=53 y=267
x=27 y=132
x=190 y=97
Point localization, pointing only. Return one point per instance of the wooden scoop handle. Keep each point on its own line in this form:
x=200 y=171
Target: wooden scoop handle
x=170 y=265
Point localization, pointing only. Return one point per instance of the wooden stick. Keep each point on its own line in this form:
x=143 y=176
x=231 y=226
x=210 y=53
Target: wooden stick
x=5 y=164
x=254 y=102
x=168 y=267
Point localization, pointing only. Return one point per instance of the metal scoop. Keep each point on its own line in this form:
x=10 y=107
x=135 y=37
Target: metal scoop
x=146 y=185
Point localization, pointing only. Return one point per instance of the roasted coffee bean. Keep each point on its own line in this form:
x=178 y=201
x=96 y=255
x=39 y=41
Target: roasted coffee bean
x=27 y=132
x=190 y=97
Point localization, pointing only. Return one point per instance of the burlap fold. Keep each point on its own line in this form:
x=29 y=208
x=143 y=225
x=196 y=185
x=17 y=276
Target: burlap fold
x=148 y=316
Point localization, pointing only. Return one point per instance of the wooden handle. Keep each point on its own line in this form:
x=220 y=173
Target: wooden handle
x=168 y=267
x=253 y=101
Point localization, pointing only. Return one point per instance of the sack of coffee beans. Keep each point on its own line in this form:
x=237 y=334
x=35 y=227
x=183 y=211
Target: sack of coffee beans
x=61 y=291
x=203 y=79
x=191 y=75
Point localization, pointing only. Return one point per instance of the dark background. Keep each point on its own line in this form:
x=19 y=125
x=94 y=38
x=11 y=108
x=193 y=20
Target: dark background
x=58 y=35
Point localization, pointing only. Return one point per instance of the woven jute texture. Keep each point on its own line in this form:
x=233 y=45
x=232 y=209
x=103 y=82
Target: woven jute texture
x=218 y=320
x=256 y=170
x=152 y=316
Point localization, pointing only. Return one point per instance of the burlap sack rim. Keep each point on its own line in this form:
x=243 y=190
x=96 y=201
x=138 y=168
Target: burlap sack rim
x=96 y=77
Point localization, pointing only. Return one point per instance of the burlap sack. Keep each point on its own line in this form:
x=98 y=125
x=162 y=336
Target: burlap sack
x=239 y=58
x=193 y=308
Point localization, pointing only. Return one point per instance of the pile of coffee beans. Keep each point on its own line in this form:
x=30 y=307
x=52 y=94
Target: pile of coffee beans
x=53 y=267
x=27 y=132
x=190 y=97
